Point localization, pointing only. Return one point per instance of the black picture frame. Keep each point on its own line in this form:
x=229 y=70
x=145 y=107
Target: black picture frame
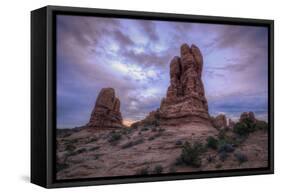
x=43 y=98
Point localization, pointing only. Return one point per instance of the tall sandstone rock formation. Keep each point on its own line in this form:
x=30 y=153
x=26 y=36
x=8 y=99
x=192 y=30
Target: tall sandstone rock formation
x=185 y=100
x=106 y=113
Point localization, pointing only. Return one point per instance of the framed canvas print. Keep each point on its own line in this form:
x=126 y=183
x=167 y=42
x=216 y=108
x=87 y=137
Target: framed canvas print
x=125 y=96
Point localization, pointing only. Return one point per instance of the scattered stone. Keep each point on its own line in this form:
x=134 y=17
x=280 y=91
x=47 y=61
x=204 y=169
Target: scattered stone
x=241 y=157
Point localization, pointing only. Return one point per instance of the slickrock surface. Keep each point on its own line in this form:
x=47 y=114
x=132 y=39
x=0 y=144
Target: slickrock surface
x=106 y=113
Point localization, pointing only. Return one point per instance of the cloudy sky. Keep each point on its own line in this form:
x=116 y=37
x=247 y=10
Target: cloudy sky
x=133 y=56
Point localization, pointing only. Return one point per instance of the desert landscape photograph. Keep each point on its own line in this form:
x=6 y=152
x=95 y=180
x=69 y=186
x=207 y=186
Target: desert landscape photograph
x=145 y=97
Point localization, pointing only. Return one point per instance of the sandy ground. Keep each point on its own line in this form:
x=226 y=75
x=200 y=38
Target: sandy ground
x=88 y=153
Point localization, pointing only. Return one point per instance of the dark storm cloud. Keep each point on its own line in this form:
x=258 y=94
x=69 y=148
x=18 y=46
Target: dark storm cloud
x=148 y=28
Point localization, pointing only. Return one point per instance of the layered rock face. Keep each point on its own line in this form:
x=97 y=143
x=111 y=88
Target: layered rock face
x=106 y=113
x=185 y=100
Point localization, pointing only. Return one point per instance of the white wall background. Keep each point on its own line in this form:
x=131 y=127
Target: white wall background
x=15 y=95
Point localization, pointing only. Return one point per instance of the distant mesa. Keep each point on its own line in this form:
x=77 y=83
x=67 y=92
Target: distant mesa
x=106 y=113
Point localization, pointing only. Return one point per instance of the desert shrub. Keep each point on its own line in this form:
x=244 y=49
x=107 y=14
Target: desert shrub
x=154 y=136
x=71 y=141
x=142 y=171
x=222 y=134
x=81 y=150
x=126 y=130
x=226 y=129
x=145 y=129
x=114 y=137
x=152 y=123
x=212 y=142
x=158 y=169
x=132 y=143
x=244 y=127
x=94 y=148
x=218 y=166
x=210 y=158
x=154 y=129
x=161 y=130
x=156 y=123
x=70 y=148
x=223 y=156
x=241 y=158
x=151 y=138
x=261 y=125
x=190 y=154
x=172 y=169
x=178 y=142
x=226 y=147
x=61 y=166
x=135 y=125
x=241 y=129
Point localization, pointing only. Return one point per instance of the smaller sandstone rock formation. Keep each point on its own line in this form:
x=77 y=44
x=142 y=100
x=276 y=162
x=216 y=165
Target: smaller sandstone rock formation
x=106 y=113
x=248 y=115
x=219 y=121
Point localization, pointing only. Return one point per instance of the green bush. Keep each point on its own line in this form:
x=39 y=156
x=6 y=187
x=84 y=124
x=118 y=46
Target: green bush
x=212 y=142
x=161 y=130
x=178 y=142
x=262 y=125
x=126 y=130
x=246 y=126
x=78 y=151
x=218 y=166
x=114 y=137
x=241 y=158
x=241 y=129
x=81 y=150
x=70 y=148
x=223 y=156
x=222 y=134
x=190 y=154
x=145 y=129
x=225 y=147
x=158 y=169
x=94 y=148
x=61 y=166
x=143 y=171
